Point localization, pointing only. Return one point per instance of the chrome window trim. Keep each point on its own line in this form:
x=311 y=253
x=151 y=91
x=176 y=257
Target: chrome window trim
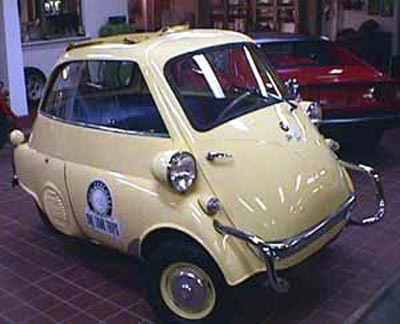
x=105 y=128
x=272 y=76
x=53 y=77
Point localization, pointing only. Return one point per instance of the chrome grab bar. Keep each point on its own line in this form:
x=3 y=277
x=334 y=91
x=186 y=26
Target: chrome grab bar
x=278 y=250
x=278 y=284
x=212 y=156
x=379 y=194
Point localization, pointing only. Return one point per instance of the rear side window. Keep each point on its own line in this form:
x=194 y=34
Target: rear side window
x=107 y=94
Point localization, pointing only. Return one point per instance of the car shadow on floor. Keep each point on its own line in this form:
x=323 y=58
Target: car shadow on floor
x=386 y=309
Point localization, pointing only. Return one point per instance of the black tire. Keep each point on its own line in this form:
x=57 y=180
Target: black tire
x=176 y=252
x=35 y=82
x=5 y=128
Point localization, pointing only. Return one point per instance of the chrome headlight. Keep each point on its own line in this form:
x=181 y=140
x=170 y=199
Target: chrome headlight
x=314 y=112
x=182 y=171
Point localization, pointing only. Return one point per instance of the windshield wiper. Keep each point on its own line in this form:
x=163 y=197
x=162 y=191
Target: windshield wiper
x=282 y=99
x=250 y=92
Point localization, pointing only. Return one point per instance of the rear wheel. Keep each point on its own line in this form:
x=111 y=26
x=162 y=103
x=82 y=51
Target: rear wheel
x=186 y=285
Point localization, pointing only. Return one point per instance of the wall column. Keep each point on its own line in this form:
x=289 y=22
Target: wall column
x=14 y=63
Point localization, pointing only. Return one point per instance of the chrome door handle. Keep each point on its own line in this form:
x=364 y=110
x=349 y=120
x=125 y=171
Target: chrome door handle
x=212 y=156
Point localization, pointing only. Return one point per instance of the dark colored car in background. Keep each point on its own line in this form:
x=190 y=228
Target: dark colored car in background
x=358 y=102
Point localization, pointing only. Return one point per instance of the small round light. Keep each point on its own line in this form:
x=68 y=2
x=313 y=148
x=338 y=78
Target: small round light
x=333 y=145
x=314 y=112
x=182 y=171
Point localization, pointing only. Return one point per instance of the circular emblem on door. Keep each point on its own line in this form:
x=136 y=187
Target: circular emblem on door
x=99 y=199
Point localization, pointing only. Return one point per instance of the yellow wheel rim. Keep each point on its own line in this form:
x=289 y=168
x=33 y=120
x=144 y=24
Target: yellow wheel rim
x=188 y=291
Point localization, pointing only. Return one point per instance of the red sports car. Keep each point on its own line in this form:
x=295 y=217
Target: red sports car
x=358 y=102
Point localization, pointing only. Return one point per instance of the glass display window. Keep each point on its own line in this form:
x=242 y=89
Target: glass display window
x=50 y=19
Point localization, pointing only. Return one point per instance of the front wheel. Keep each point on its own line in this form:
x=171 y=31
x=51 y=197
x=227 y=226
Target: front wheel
x=186 y=285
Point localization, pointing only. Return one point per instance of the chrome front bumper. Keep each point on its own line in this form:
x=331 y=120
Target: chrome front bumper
x=276 y=251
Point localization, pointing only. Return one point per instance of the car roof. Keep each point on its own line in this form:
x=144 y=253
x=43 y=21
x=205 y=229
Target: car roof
x=161 y=46
x=277 y=37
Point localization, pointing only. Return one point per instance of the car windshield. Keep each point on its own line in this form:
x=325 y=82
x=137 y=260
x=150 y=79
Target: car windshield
x=221 y=83
x=312 y=53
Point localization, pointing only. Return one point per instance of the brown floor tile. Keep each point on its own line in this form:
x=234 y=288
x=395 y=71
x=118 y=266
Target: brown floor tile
x=30 y=293
x=61 y=312
x=320 y=317
x=125 y=318
x=8 y=303
x=60 y=288
x=81 y=319
x=45 y=302
x=85 y=301
x=143 y=309
x=20 y=314
x=103 y=310
x=39 y=319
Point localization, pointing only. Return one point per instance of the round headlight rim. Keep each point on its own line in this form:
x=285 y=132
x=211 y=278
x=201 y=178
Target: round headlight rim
x=169 y=170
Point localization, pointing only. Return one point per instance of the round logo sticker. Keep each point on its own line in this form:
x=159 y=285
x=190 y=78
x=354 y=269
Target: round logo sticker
x=99 y=199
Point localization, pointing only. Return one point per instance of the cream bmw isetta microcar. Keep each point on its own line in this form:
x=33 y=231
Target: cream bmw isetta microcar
x=181 y=148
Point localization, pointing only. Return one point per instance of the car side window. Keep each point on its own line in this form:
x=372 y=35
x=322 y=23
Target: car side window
x=106 y=94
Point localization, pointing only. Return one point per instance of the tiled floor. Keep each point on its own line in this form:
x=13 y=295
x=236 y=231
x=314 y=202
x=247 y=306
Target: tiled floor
x=386 y=309
x=47 y=278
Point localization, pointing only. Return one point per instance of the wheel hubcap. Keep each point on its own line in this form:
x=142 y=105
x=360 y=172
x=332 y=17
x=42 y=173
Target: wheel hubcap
x=35 y=87
x=188 y=291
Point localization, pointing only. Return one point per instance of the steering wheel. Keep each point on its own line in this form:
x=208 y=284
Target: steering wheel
x=232 y=105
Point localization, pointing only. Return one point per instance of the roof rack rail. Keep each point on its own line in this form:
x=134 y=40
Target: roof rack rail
x=174 y=29
x=138 y=38
x=129 y=39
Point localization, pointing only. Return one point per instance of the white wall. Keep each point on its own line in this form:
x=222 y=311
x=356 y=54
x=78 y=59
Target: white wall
x=341 y=19
x=3 y=56
x=41 y=54
x=96 y=13
x=44 y=55
x=13 y=54
x=354 y=19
